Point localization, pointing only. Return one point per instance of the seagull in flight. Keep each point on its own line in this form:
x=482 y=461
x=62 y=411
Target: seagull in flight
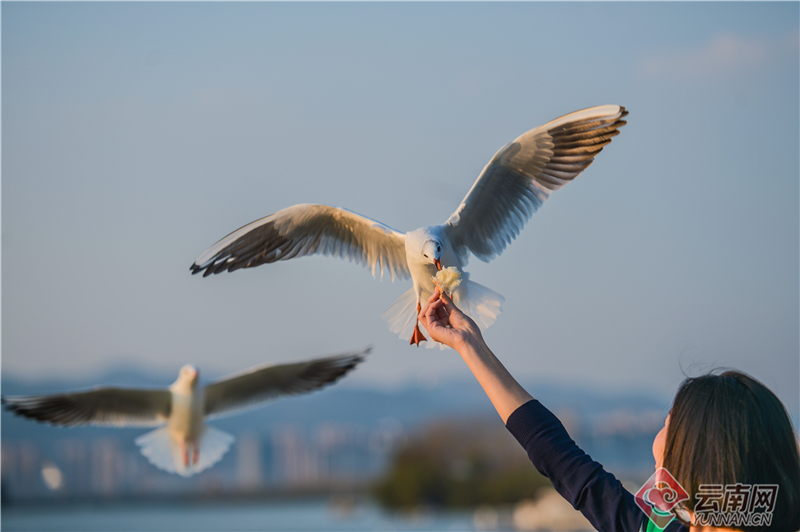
x=515 y=183
x=184 y=444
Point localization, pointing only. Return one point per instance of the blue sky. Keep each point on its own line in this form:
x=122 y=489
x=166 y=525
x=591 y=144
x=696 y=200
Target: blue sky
x=135 y=135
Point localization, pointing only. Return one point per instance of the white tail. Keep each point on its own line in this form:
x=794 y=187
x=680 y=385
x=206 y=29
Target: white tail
x=161 y=449
x=476 y=301
x=401 y=315
x=479 y=303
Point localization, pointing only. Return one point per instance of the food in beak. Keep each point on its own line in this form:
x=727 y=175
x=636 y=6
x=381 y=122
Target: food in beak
x=447 y=279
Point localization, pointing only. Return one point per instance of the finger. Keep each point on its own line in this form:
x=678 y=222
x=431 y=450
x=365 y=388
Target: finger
x=424 y=310
x=430 y=322
x=438 y=306
x=448 y=303
x=439 y=314
x=434 y=295
x=434 y=312
x=430 y=310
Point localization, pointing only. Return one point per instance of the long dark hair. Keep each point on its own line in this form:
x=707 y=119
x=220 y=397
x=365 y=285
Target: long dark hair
x=729 y=428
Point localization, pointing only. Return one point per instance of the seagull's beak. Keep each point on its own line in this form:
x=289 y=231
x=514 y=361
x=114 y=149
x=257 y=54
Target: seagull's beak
x=438 y=264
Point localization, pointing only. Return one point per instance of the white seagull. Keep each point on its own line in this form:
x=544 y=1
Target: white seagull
x=515 y=183
x=185 y=445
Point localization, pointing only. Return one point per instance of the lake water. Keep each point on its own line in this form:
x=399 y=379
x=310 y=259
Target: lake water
x=284 y=516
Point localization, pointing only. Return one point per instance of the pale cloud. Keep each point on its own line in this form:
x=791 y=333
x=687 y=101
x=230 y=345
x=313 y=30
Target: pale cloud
x=723 y=56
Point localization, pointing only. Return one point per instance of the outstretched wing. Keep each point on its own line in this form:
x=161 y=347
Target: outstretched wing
x=100 y=406
x=305 y=230
x=521 y=176
x=263 y=383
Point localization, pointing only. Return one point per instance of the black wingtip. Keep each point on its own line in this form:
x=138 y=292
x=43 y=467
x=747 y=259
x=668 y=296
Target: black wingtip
x=360 y=357
x=349 y=361
x=364 y=352
x=17 y=410
x=11 y=406
x=207 y=270
x=357 y=358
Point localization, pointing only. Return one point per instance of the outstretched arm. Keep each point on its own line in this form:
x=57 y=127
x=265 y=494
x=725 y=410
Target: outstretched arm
x=448 y=325
x=580 y=480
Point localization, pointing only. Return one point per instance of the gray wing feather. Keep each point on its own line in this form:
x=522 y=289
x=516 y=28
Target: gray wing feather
x=99 y=406
x=306 y=230
x=521 y=176
x=263 y=383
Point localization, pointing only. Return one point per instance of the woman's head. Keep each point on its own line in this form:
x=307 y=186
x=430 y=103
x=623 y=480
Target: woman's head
x=729 y=428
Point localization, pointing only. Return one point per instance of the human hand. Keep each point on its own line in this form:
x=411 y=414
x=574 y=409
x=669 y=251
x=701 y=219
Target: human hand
x=446 y=323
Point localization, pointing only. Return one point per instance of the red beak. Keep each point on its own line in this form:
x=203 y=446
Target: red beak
x=438 y=264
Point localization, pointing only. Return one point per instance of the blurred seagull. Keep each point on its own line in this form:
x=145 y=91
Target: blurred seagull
x=185 y=445
x=515 y=183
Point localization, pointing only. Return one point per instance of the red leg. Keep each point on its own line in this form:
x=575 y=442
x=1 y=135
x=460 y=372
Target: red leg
x=417 y=336
x=185 y=450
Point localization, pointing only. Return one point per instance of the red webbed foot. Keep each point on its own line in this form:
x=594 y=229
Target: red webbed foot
x=417 y=337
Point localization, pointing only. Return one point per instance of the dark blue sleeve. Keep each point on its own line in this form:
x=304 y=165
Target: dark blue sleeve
x=579 y=479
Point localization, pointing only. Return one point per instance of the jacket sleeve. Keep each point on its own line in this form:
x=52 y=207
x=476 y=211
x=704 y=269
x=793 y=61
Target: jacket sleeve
x=584 y=483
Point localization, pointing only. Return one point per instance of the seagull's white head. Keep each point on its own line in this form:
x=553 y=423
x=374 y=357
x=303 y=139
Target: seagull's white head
x=432 y=253
x=188 y=377
x=425 y=246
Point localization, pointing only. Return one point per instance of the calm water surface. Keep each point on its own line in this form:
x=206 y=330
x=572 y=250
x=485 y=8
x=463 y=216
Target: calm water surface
x=287 y=516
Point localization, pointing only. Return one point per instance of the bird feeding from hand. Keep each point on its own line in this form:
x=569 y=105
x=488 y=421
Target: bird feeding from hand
x=513 y=185
x=184 y=444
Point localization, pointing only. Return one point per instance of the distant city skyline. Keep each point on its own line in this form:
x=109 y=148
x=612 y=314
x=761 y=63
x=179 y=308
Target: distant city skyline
x=307 y=449
x=135 y=135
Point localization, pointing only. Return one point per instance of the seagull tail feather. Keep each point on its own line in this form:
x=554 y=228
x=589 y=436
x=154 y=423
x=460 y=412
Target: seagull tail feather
x=161 y=449
x=482 y=304
x=401 y=315
x=479 y=303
